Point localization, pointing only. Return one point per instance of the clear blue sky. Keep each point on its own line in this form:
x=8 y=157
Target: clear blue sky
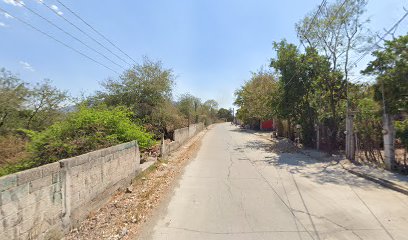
x=212 y=45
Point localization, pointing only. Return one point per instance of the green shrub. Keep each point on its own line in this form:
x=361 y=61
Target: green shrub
x=22 y=165
x=402 y=132
x=87 y=130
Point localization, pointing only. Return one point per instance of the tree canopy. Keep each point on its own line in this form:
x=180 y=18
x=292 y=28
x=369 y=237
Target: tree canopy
x=255 y=96
x=142 y=88
x=391 y=68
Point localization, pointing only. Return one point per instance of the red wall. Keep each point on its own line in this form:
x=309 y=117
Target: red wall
x=267 y=125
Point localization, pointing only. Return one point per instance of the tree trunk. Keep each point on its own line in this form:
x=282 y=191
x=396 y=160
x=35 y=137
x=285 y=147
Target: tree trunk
x=389 y=139
x=333 y=125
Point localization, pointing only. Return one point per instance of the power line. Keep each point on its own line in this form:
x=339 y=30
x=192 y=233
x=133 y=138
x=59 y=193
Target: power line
x=82 y=31
x=337 y=12
x=376 y=44
x=381 y=39
x=324 y=2
x=53 y=38
x=96 y=31
x=69 y=34
x=331 y=20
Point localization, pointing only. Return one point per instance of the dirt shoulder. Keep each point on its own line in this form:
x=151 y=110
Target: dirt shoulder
x=127 y=211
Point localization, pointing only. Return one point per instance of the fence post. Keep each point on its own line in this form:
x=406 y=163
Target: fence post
x=389 y=137
x=162 y=146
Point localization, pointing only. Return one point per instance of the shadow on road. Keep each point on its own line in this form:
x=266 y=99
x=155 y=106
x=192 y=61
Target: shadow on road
x=240 y=130
x=285 y=156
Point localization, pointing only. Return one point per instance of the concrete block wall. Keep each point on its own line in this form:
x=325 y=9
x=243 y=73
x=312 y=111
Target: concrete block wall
x=180 y=137
x=31 y=203
x=199 y=127
x=91 y=178
x=195 y=128
x=192 y=129
x=45 y=202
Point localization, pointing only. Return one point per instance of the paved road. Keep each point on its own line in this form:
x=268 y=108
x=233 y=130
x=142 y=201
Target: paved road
x=238 y=188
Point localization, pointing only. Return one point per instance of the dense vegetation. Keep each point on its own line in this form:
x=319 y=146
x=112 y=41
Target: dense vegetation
x=41 y=124
x=86 y=130
x=311 y=86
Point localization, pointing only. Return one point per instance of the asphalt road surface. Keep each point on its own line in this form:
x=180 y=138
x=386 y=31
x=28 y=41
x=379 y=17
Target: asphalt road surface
x=240 y=187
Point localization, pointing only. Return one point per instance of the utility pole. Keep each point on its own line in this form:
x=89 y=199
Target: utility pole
x=388 y=134
x=350 y=146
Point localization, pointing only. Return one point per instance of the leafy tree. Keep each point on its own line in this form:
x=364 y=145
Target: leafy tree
x=402 y=134
x=44 y=103
x=165 y=119
x=391 y=68
x=255 y=96
x=141 y=88
x=328 y=93
x=13 y=94
x=208 y=111
x=287 y=65
x=211 y=104
x=305 y=83
x=369 y=125
x=86 y=130
x=225 y=114
x=189 y=106
x=210 y=108
x=337 y=32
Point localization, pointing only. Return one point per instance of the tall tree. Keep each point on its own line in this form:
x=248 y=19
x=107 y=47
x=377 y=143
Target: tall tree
x=391 y=68
x=304 y=83
x=44 y=103
x=291 y=90
x=337 y=32
x=225 y=114
x=255 y=96
x=141 y=88
x=189 y=105
x=165 y=119
x=208 y=111
x=13 y=93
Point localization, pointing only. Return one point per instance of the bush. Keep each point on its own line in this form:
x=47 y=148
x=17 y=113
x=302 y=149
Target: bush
x=402 y=132
x=87 y=130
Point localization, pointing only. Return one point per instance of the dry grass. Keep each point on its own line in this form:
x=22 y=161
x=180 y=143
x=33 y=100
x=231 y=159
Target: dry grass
x=12 y=149
x=375 y=160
